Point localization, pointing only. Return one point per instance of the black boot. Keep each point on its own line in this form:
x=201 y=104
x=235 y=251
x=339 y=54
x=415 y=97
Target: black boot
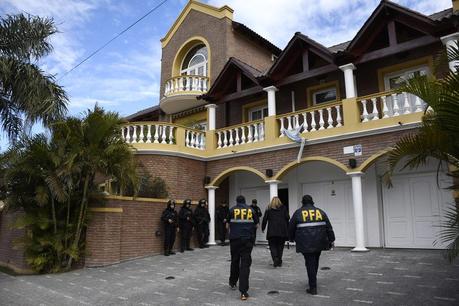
x=312 y=291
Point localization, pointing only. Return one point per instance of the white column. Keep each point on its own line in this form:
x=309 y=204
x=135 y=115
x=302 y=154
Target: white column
x=451 y=41
x=272 y=188
x=271 y=90
x=211 y=115
x=211 y=202
x=348 y=70
x=358 y=211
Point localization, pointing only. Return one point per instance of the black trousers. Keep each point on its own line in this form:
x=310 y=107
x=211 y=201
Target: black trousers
x=276 y=246
x=312 y=266
x=185 y=237
x=241 y=259
x=202 y=234
x=221 y=231
x=169 y=237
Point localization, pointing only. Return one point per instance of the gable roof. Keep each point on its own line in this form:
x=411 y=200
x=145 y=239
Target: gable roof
x=244 y=30
x=144 y=112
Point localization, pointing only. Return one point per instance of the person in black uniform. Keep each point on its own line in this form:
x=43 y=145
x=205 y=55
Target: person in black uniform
x=259 y=214
x=312 y=231
x=222 y=219
x=201 y=221
x=243 y=221
x=170 y=219
x=276 y=217
x=185 y=225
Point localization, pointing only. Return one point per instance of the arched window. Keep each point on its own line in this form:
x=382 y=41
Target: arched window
x=195 y=62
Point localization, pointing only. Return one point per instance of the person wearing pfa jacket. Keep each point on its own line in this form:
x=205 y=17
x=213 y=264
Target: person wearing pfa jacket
x=312 y=231
x=276 y=216
x=170 y=220
x=258 y=212
x=185 y=225
x=243 y=221
x=201 y=221
x=222 y=218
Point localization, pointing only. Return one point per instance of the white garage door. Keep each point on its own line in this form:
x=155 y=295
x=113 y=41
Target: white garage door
x=336 y=200
x=412 y=210
x=262 y=196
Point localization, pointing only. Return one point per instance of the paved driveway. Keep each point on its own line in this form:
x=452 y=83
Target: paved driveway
x=379 y=277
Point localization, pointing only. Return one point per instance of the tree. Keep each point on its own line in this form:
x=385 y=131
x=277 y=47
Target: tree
x=27 y=94
x=52 y=181
x=438 y=137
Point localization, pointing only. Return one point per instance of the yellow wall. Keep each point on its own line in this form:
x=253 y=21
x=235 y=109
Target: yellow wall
x=191 y=119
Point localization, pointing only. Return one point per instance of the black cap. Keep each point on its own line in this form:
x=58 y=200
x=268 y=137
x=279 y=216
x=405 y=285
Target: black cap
x=202 y=202
x=307 y=199
x=254 y=201
x=240 y=199
x=170 y=202
x=187 y=202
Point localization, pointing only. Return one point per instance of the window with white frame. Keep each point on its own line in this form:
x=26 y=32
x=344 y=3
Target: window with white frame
x=258 y=113
x=195 y=62
x=324 y=95
x=396 y=79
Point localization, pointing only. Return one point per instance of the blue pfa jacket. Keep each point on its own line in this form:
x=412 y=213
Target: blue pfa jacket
x=243 y=221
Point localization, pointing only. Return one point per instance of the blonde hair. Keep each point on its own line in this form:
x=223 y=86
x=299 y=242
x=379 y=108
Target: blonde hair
x=275 y=203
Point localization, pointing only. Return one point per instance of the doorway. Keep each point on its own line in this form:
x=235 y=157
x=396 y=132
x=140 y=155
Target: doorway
x=283 y=196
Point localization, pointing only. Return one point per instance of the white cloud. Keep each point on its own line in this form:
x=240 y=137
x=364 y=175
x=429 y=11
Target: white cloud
x=327 y=21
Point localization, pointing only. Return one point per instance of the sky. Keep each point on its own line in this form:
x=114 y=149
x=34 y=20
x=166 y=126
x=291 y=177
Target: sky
x=125 y=76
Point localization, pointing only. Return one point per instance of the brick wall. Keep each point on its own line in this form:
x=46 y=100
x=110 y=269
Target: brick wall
x=10 y=256
x=113 y=237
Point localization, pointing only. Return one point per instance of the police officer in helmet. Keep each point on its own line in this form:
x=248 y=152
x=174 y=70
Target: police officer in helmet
x=312 y=231
x=202 y=220
x=170 y=219
x=185 y=225
x=243 y=221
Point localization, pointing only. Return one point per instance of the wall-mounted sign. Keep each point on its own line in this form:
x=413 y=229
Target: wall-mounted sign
x=358 y=150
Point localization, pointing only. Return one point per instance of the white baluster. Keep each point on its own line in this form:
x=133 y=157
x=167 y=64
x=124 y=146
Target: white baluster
x=255 y=132
x=243 y=135
x=281 y=127
x=305 y=121
x=189 y=82
x=395 y=109
x=296 y=121
x=313 y=121
x=231 y=140
x=406 y=105
x=141 y=136
x=148 y=133
x=330 y=119
x=187 y=138
x=249 y=135
x=203 y=141
x=123 y=131
x=262 y=131
x=385 y=107
x=205 y=84
x=289 y=121
x=365 y=112
x=156 y=137
x=219 y=142
x=321 y=120
x=171 y=134
x=374 y=114
x=163 y=136
x=339 y=122
x=237 y=140
x=128 y=134
x=418 y=104
x=225 y=139
x=134 y=134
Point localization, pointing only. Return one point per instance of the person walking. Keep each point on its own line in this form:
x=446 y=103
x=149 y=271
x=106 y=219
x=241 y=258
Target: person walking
x=170 y=220
x=277 y=218
x=259 y=214
x=243 y=220
x=222 y=215
x=185 y=225
x=201 y=221
x=312 y=231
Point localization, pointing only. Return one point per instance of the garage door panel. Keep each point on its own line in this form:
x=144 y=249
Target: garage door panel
x=398 y=230
x=423 y=196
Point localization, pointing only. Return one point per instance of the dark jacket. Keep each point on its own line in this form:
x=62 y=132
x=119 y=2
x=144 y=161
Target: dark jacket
x=222 y=214
x=277 y=220
x=185 y=217
x=243 y=222
x=169 y=213
x=201 y=215
x=311 y=229
x=257 y=210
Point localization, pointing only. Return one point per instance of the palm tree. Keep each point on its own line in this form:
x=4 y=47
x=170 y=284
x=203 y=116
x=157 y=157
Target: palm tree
x=27 y=94
x=438 y=137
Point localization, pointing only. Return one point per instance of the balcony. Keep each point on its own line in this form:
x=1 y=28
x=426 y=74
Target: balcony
x=180 y=93
x=381 y=112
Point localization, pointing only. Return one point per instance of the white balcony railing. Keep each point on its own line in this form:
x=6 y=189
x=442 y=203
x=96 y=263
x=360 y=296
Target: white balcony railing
x=148 y=133
x=388 y=105
x=247 y=133
x=186 y=84
x=195 y=139
x=316 y=119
